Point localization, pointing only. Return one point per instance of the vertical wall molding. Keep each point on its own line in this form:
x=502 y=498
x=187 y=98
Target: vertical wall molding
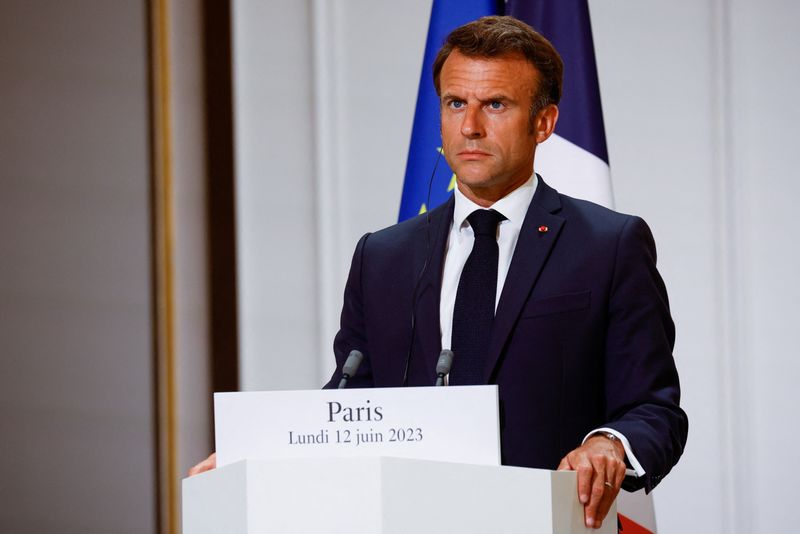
x=329 y=180
x=735 y=443
x=163 y=232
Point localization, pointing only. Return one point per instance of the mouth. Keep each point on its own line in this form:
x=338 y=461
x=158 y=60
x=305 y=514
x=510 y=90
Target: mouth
x=473 y=154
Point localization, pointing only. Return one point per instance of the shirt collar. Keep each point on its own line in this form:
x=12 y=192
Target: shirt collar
x=513 y=206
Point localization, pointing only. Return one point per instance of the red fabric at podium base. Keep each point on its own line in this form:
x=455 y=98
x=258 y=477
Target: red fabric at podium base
x=628 y=526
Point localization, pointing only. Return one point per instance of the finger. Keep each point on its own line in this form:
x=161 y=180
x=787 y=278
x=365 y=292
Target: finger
x=604 y=506
x=585 y=474
x=206 y=465
x=563 y=465
x=620 y=478
x=617 y=473
x=598 y=489
x=199 y=468
x=196 y=469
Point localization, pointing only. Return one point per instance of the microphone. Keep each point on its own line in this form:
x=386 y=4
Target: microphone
x=350 y=367
x=443 y=365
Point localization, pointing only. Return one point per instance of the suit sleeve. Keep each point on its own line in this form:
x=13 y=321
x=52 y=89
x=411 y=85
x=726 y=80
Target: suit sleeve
x=352 y=328
x=641 y=382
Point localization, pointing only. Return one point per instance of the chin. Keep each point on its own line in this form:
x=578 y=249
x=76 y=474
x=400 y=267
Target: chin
x=475 y=182
x=472 y=174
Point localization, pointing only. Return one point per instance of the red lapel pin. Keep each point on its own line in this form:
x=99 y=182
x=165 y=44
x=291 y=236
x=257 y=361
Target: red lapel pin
x=543 y=229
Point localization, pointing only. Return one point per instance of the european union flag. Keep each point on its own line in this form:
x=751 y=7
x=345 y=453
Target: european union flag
x=446 y=15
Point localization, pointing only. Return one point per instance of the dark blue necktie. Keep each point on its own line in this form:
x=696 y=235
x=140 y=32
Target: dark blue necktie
x=473 y=313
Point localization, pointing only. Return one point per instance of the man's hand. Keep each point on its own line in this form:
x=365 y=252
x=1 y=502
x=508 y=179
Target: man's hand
x=600 y=463
x=206 y=465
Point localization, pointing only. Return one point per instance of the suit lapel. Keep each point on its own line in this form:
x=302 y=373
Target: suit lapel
x=531 y=253
x=428 y=331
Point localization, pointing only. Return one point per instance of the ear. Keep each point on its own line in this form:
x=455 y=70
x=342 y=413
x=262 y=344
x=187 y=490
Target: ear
x=544 y=123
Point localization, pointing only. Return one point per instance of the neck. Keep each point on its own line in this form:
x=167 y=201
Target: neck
x=486 y=196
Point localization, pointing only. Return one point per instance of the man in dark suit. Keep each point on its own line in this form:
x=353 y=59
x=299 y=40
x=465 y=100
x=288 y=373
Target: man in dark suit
x=554 y=299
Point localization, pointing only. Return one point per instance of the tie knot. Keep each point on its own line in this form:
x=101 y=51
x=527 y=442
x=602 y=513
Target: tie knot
x=484 y=222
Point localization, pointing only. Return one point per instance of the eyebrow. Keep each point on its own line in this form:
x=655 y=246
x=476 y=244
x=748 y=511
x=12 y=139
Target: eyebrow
x=493 y=98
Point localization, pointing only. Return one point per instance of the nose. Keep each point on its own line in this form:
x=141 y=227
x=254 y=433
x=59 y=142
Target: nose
x=472 y=124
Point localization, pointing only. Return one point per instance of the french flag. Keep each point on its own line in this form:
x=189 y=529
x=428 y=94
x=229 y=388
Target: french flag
x=575 y=159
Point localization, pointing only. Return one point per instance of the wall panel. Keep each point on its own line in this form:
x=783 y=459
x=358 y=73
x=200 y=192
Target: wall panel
x=765 y=74
x=76 y=364
x=276 y=220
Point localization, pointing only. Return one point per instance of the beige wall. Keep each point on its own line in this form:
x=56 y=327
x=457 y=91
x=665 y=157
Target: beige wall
x=77 y=362
x=76 y=369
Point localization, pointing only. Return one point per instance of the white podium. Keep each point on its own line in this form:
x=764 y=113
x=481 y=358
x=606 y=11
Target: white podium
x=382 y=495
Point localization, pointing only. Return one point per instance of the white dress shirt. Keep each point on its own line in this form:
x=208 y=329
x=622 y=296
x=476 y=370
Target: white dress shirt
x=513 y=207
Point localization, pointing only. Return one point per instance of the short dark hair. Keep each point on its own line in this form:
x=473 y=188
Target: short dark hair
x=495 y=36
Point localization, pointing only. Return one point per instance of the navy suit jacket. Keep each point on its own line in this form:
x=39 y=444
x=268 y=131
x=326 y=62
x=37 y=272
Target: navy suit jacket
x=582 y=336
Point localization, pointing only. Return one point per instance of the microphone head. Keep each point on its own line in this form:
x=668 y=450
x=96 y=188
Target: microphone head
x=445 y=362
x=351 y=364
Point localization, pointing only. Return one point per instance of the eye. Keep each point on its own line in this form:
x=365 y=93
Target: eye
x=456 y=104
x=496 y=105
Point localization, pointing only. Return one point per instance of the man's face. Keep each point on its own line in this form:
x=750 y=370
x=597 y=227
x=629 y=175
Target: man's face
x=488 y=136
